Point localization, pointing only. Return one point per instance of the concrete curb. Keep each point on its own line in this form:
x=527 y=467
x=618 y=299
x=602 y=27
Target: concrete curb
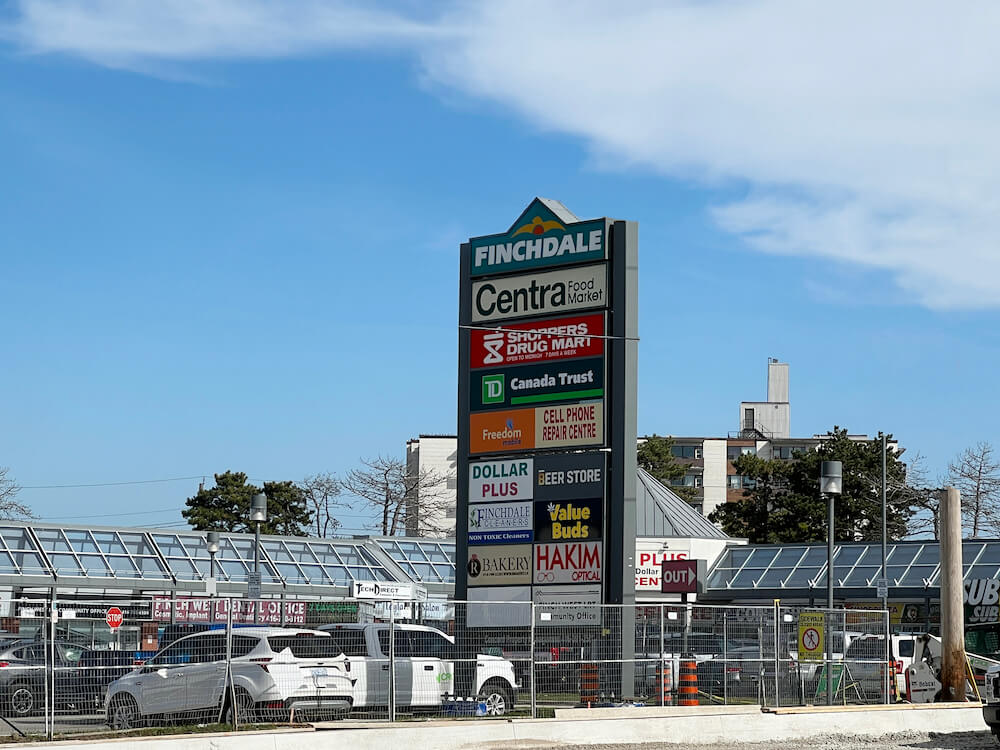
x=695 y=727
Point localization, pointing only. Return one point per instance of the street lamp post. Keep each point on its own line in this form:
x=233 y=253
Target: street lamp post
x=258 y=514
x=212 y=543
x=830 y=484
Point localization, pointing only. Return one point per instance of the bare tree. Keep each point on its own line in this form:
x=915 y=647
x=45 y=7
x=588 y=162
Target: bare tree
x=924 y=500
x=388 y=485
x=10 y=508
x=976 y=474
x=322 y=493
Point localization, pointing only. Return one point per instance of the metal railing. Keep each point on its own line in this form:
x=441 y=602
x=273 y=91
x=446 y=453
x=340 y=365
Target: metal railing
x=70 y=668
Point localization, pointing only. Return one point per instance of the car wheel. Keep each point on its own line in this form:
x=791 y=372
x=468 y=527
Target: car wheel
x=123 y=713
x=21 y=700
x=245 y=708
x=497 y=698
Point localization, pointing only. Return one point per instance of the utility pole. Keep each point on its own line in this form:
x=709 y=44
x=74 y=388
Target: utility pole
x=952 y=625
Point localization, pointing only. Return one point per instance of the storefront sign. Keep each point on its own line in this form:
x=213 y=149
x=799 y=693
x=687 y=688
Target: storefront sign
x=203 y=610
x=500 y=523
x=511 y=431
x=549 y=293
x=500 y=607
x=538 y=238
x=567 y=605
x=573 y=562
x=649 y=557
x=573 y=380
x=551 y=340
x=679 y=577
x=569 y=476
x=569 y=425
x=569 y=520
x=498 y=481
x=502 y=565
x=387 y=591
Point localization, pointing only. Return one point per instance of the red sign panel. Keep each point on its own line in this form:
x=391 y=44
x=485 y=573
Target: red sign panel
x=679 y=577
x=114 y=618
x=217 y=611
x=538 y=341
x=568 y=562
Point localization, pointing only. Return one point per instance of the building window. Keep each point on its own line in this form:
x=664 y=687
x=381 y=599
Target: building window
x=735 y=451
x=748 y=419
x=688 y=480
x=685 y=451
x=781 y=451
x=739 y=482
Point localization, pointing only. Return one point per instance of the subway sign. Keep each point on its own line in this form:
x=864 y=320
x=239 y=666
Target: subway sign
x=538 y=341
x=537 y=239
x=577 y=288
x=574 y=380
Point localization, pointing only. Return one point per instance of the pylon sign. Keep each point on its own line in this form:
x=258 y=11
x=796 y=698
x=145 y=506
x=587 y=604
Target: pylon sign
x=811 y=638
x=547 y=379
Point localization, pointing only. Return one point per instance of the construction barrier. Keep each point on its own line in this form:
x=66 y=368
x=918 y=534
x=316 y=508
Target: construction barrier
x=590 y=684
x=687 y=683
x=663 y=686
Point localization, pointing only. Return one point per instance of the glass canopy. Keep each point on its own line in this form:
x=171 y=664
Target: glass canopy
x=908 y=565
x=423 y=560
x=61 y=552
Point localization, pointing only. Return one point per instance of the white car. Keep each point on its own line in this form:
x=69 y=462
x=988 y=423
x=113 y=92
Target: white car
x=424 y=660
x=991 y=698
x=274 y=672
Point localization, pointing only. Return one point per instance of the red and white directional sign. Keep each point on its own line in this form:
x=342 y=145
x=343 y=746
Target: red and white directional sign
x=679 y=577
x=114 y=618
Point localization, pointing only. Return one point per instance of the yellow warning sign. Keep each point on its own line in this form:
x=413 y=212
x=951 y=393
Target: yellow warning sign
x=811 y=636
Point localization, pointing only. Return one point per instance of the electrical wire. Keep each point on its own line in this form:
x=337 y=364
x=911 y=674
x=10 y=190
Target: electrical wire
x=107 y=484
x=544 y=332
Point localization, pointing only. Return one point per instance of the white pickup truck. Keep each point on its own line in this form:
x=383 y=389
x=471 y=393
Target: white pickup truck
x=424 y=660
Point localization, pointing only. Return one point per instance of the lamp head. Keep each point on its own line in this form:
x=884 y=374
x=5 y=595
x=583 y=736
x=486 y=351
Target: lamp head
x=258 y=507
x=212 y=542
x=831 y=480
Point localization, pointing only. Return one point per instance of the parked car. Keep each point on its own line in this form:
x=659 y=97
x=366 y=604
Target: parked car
x=274 y=671
x=22 y=676
x=97 y=669
x=424 y=668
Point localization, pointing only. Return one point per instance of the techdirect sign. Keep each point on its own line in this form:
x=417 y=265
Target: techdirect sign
x=569 y=476
x=501 y=565
x=496 y=481
x=540 y=294
x=573 y=520
x=500 y=523
x=574 y=562
x=538 y=341
x=538 y=238
x=574 y=380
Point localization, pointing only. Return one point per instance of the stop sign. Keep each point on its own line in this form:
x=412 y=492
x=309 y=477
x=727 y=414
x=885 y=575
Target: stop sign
x=114 y=618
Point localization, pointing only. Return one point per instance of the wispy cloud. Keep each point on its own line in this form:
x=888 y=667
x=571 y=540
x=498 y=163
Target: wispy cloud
x=866 y=131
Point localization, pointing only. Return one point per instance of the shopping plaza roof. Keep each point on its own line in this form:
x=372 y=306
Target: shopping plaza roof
x=155 y=560
x=168 y=560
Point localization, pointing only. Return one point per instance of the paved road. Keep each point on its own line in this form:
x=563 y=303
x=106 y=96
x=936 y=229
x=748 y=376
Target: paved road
x=907 y=741
x=65 y=723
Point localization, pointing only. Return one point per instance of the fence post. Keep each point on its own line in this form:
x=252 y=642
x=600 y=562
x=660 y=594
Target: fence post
x=725 y=657
x=50 y=664
x=531 y=656
x=661 y=681
x=392 y=662
x=229 y=666
x=777 y=662
x=889 y=675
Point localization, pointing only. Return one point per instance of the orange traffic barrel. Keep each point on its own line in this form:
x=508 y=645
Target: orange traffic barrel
x=663 y=685
x=589 y=683
x=687 y=683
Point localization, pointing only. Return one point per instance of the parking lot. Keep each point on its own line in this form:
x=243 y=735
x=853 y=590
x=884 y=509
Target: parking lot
x=905 y=741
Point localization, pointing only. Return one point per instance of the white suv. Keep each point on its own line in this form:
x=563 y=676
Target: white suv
x=275 y=671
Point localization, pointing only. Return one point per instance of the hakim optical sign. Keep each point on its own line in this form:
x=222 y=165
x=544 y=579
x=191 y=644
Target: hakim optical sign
x=548 y=341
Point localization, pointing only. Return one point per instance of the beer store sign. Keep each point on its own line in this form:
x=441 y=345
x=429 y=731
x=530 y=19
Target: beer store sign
x=573 y=562
x=500 y=523
x=571 y=520
x=550 y=340
x=577 y=288
x=575 y=380
x=538 y=238
x=501 y=565
x=497 y=481
x=569 y=476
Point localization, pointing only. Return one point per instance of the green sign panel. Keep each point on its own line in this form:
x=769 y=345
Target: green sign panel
x=546 y=234
x=536 y=385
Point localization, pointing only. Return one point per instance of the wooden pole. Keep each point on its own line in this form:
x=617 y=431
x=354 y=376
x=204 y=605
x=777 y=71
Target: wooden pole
x=952 y=612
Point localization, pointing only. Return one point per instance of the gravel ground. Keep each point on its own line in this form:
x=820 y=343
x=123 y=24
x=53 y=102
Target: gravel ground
x=904 y=741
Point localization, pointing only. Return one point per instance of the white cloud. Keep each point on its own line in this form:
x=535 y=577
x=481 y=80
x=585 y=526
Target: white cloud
x=866 y=132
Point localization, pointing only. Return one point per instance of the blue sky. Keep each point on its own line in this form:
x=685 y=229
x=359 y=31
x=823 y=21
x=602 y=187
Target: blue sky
x=230 y=237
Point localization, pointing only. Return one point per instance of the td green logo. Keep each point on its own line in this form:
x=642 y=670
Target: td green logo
x=493 y=389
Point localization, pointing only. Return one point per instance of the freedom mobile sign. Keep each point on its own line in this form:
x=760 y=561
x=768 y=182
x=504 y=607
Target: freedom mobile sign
x=548 y=336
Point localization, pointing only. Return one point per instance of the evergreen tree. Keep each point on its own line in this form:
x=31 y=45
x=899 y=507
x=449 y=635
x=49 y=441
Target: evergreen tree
x=226 y=506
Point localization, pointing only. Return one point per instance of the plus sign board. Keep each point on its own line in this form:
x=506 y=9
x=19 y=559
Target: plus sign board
x=811 y=642
x=546 y=416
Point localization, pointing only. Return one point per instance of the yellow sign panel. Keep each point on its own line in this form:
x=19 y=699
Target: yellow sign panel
x=811 y=643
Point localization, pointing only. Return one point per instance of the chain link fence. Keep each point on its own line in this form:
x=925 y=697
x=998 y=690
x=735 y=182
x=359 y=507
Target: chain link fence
x=88 y=666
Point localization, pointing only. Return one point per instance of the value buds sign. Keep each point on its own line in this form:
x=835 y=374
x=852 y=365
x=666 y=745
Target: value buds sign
x=569 y=521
